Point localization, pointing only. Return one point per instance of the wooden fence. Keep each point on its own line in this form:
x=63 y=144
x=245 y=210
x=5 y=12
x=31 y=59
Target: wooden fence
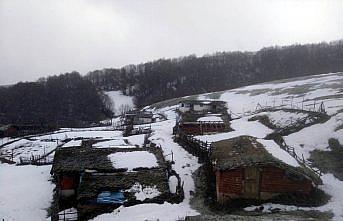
x=68 y=215
x=195 y=146
x=301 y=159
x=36 y=160
x=315 y=107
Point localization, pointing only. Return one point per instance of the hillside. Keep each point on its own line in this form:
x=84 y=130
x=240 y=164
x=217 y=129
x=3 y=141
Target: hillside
x=72 y=100
x=163 y=79
x=67 y=100
x=284 y=103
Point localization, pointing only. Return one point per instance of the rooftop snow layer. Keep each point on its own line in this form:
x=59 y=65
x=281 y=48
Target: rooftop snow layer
x=132 y=160
x=278 y=153
x=210 y=118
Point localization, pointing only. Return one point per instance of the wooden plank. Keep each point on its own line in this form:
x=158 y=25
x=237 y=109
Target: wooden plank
x=252 y=182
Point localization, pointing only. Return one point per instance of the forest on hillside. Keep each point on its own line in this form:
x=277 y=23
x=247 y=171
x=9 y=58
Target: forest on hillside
x=162 y=79
x=67 y=100
x=72 y=100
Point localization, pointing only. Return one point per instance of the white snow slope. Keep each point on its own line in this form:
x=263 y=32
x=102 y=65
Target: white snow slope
x=25 y=192
x=119 y=100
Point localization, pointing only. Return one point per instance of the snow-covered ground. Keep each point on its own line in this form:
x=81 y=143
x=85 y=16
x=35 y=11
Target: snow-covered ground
x=25 y=192
x=119 y=101
x=26 y=148
x=146 y=192
x=41 y=145
x=281 y=119
x=240 y=127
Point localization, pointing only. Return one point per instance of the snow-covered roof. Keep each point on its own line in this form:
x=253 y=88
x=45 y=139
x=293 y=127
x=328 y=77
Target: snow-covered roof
x=78 y=159
x=210 y=118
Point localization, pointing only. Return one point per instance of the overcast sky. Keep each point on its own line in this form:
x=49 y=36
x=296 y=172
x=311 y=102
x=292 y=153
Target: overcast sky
x=45 y=37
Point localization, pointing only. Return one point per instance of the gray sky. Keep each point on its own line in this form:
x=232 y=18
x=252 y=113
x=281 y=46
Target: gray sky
x=45 y=37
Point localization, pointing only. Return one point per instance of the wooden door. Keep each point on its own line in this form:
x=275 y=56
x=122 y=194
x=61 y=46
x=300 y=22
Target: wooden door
x=252 y=183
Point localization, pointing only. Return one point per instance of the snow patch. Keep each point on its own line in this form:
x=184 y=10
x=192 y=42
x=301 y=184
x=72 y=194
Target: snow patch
x=119 y=101
x=173 y=182
x=132 y=160
x=146 y=192
x=210 y=118
x=73 y=143
x=283 y=118
x=25 y=191
x=278 y=152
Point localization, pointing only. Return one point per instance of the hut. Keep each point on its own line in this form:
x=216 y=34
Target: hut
x=71 y=163
x=98 y=180
x=138 y=117
x=201 y=106
x=197 y=117
x=248 y=168
x=198 y=123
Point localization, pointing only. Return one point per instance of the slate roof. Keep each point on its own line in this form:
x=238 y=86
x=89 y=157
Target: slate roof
x=206 y=102
x=78 y=159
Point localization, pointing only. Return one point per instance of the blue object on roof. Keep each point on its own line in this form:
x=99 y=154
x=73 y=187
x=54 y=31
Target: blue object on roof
x=107 y=197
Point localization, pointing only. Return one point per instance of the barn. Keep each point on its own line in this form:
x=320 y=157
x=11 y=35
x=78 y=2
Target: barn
x=247 y=169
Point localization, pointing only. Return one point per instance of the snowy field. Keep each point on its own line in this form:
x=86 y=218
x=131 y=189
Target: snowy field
x=45 y=144
x=25 y=192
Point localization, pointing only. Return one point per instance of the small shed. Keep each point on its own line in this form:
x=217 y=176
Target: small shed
x=198 y=123
x=9 y=130
x=70 y=163
x=247 y=169
x=139 y=117
x=201 y=106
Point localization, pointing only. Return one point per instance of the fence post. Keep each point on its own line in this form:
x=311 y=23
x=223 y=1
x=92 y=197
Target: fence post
x=302 y=104
x=302 y=155
x=314 y=105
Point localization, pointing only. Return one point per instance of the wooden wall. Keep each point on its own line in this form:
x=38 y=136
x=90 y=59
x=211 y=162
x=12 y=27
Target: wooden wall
x=198 y=129
x=233 y=184
x=275 y=180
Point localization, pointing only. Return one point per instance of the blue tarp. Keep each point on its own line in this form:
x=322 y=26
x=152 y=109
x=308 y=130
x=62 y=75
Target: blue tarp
x=107 y=197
